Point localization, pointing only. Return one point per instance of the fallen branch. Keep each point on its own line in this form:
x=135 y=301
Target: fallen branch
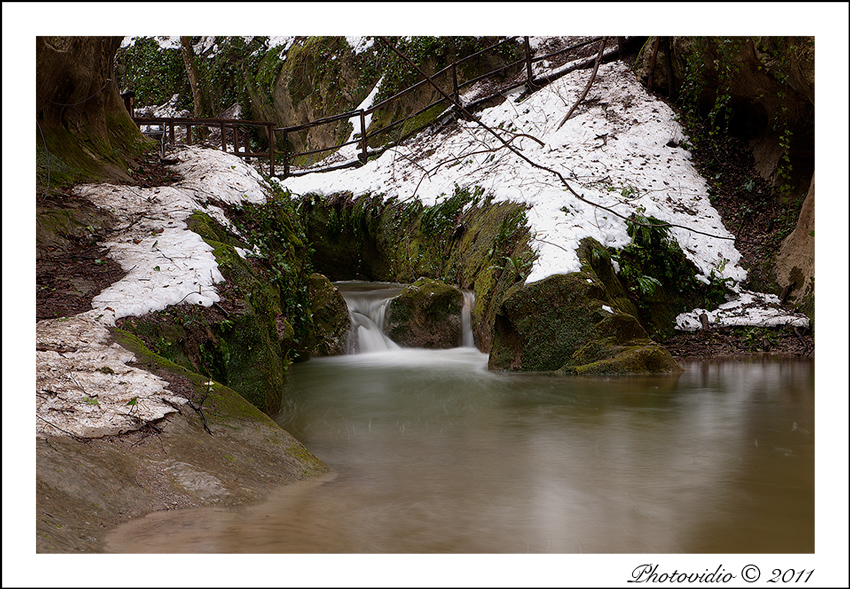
x=199 y=408
x=587 y=87
x=532 y=163
x=75 y=436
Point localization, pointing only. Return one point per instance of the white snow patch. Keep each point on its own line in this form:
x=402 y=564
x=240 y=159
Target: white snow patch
x=360 y=44
x=749 y=309
x=83 y=382
x=167 y=264
x=84 y=386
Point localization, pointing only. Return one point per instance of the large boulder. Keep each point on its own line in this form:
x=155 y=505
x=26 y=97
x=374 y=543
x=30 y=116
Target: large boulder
x=331 y=320
x=426 y=314
x=570 y=323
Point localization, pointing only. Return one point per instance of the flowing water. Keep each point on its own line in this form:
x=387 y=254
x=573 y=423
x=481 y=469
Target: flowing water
x=432 y=453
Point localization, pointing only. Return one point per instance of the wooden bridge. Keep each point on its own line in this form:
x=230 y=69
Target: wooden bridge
x=238 y=129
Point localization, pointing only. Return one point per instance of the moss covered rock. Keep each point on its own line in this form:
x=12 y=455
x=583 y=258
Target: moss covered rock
x=331 y=320
x=570 y=323
x=426 y=314
x=465 y=240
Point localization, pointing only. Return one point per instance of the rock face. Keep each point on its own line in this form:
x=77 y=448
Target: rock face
x=84 y=489
x=426 y=314
x=795 y=263
x=570 y=323
x=767 y=84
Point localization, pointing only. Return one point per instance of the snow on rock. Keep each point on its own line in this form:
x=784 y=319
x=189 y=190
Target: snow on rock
x=84 y=385
x=749 y=309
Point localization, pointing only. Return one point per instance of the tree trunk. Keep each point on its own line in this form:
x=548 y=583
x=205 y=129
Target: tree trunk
x=81 y=118
x=192 y=72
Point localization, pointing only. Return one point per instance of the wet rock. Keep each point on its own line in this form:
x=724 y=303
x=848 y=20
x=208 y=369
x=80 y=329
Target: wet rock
x=331 y=321
x=427 y=314
x=570 y=323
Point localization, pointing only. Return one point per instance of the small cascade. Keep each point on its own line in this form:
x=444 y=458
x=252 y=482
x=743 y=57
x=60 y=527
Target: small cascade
x=367 y=304
x=467 y=339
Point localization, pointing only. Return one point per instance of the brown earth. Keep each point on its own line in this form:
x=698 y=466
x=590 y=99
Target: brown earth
x=71 y=268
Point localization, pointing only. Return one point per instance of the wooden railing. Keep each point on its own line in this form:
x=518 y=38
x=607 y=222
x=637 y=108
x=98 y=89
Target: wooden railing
x=237 y=128
x=362 y=139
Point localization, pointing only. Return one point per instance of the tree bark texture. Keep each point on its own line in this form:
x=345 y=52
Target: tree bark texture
x=192 y=71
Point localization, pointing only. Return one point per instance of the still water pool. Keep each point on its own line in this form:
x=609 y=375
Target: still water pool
x=432 y=453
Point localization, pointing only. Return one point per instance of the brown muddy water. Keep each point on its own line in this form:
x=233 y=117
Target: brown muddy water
x=432 y=453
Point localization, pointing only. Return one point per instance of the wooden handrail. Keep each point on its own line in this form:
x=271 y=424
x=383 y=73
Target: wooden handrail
x=222 y=124
x=362 y=139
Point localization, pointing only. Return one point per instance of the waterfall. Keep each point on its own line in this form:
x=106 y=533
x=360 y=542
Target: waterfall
x=367 y=304
x=467 y=339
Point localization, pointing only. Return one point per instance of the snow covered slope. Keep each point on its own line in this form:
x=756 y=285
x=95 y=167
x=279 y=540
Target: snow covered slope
x=622 y=149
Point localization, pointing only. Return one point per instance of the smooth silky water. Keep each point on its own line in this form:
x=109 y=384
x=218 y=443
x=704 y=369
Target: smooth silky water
x=432 y=453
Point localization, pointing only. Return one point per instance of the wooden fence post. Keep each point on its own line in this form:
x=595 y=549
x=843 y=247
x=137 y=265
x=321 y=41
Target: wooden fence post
x=528 y=64
x=270 y=129
x=455 y=93
x=363 y=154
x=223 y=137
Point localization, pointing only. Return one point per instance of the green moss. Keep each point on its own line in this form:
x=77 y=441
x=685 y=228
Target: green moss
x=539 y=326
x=64 y=158
x=644 y=357
x=228 y=403
x=426 y=314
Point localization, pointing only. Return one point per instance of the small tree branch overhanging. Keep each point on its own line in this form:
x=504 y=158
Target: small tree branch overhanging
x=525 y=158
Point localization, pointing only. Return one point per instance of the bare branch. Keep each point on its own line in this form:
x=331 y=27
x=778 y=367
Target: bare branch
x=586 y=88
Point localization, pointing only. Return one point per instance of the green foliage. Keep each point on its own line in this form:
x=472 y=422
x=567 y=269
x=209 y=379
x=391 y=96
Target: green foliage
x=223 y=75
x=442 y=217
x=276 y=231
x=723 y=53
x=757 y=338
x=432 y=54
x=652 y=258
x=776 y=59
x=517 y=267
x=659 y=278
x=153 y=73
